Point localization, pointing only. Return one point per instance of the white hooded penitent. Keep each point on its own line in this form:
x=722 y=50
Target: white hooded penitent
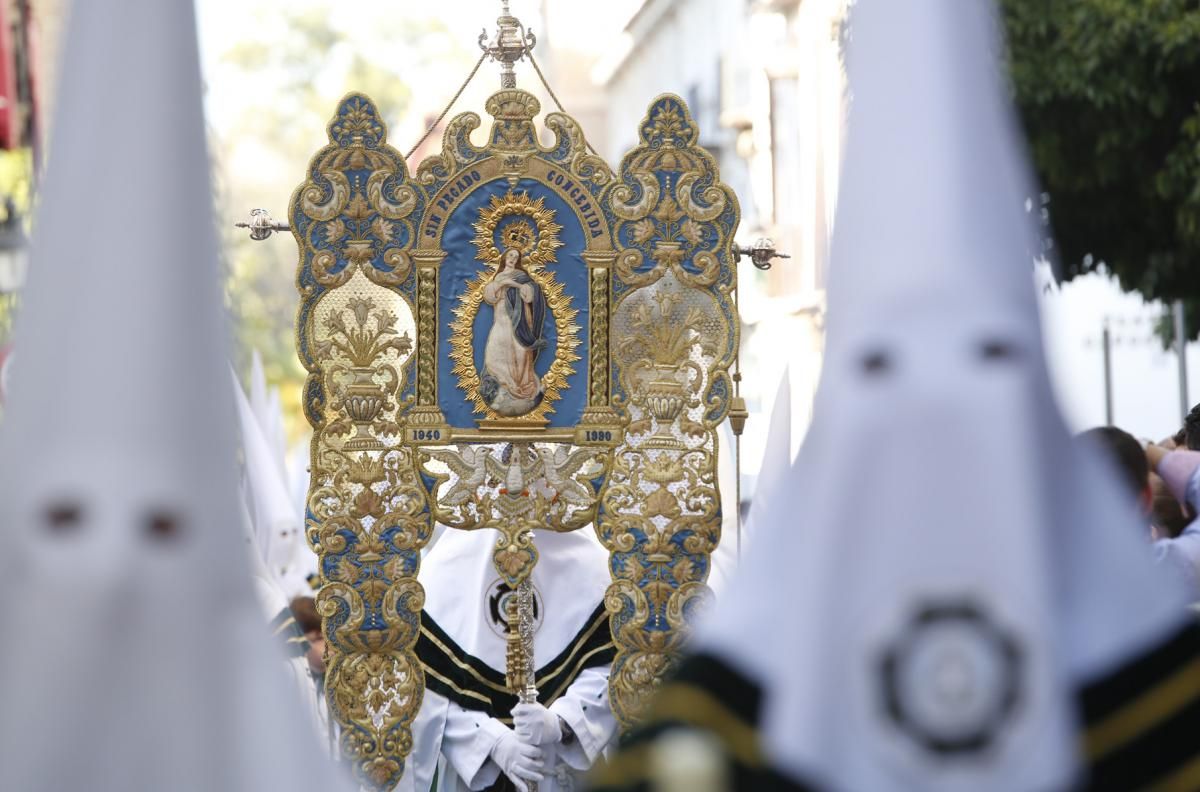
x=942 y=592
x=723 y=562
x=265 y=403
x=136 y=655
x=777 y=455
x=466 y=612
x=276 y=523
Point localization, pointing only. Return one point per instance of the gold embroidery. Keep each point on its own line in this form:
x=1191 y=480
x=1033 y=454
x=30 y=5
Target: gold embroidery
x=640 y=464
x=674 y=335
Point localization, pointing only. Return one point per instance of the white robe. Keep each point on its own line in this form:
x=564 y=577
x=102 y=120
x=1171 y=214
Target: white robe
x=138 y=657
x=944 y=570
x=470 y=736
x=571 y=577
x=427 y=730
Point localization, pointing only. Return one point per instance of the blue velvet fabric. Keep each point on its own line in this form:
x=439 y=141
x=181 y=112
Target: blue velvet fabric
x=461 y=265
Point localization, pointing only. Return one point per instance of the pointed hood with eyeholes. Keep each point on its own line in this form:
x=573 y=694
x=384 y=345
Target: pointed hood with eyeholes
x=941 y=592
x=135 y=654
x=277 y=526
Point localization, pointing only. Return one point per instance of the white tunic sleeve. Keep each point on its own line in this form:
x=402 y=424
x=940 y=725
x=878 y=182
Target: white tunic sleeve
x=584 y=707
x=467 y=745
x=427 y=730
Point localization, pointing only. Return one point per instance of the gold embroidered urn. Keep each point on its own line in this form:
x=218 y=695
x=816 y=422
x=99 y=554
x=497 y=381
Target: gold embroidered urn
x=363 y=402
x=665 y=396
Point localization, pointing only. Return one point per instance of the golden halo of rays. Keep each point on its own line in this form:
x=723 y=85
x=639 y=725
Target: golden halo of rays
x=528 y=220
x=536 y=218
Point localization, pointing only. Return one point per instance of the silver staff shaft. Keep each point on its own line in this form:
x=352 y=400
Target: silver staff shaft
x=525 y=622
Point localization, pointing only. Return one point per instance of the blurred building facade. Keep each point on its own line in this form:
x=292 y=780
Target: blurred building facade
x=765 y=82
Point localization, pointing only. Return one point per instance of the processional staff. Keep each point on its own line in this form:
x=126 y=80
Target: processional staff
x=513 y=43
x=520 y=672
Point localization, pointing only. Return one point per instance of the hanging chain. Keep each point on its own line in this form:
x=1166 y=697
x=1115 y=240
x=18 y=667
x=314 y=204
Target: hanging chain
x=471 y=76
x=454 y=99
x=549 y=90
x=737 y=437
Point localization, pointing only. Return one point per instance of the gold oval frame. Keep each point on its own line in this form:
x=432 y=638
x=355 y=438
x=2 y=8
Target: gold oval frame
x=537 y=253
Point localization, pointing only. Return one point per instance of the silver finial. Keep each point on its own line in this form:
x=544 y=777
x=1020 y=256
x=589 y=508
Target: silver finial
x=262 y=225
x=511 y=43
x=761 y=253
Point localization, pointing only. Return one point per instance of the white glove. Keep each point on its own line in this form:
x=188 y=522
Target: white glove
x=520 y=761
x=536 y=724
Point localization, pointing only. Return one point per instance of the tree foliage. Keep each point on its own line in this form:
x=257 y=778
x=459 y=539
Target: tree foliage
x=299 y=60
x=1109 y=92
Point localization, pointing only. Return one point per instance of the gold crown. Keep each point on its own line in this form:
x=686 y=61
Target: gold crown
x=519 y=235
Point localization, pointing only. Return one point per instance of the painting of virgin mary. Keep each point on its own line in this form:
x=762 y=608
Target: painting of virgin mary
x=509 y=384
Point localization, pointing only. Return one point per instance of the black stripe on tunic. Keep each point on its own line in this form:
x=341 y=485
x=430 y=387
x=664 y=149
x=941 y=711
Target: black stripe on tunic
x=474 y=685
x=287 y=633
x=1142 y=721
x=708 y=696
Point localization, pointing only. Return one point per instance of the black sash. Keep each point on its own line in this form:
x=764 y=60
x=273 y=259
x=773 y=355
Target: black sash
x=287 y=633
x=474 y=685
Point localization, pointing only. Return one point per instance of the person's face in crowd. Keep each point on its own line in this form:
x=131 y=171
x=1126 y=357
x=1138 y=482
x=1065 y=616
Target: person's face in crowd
x=316 y=651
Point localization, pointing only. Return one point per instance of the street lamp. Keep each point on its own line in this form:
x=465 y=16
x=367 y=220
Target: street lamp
x=14 y=250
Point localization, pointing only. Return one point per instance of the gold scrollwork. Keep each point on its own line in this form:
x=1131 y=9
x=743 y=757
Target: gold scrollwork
x=368 y=512
x=674 y=331
x=669 y=201
x=371 y=520
x=372 y=691
x=584 y=164
x=356 y=225
x=660 y=579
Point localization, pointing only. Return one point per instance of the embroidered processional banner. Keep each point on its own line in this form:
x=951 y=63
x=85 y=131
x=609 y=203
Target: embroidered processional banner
x=513 y=337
